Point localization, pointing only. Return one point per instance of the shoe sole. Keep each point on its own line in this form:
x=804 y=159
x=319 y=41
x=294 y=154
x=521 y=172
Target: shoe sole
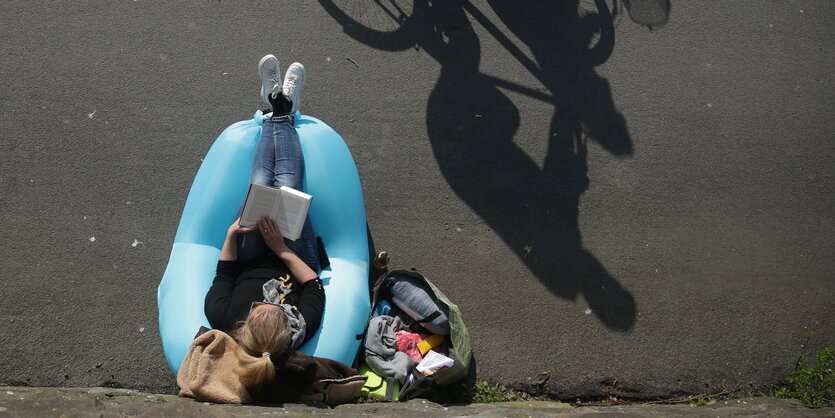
x=265 y=80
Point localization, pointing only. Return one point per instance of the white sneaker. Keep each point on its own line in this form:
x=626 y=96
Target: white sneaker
x=293 y=84
x=270 y=72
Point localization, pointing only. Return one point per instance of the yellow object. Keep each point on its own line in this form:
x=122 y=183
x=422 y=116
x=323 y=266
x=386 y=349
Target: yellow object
x=378 y=386
x=430 y=343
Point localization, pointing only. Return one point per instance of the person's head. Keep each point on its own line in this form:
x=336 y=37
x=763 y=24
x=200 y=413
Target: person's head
x=262 y=334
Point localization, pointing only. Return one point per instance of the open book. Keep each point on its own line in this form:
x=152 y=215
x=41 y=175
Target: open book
x=286 y=205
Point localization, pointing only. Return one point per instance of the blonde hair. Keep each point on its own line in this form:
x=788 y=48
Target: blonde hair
x=263 y=331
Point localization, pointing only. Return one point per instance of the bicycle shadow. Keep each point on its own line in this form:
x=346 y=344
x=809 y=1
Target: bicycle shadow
x=471 y=125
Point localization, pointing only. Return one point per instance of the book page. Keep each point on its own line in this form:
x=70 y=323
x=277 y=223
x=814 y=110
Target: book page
x=260 y=201
x=294 y=207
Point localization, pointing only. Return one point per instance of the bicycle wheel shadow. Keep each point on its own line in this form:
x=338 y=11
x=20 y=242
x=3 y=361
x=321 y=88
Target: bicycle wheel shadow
x=471 y=125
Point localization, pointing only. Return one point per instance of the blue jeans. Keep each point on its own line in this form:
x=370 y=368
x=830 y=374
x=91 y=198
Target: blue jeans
x=279 y=162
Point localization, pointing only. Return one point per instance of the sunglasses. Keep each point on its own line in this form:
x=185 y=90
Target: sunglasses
x=257 y=304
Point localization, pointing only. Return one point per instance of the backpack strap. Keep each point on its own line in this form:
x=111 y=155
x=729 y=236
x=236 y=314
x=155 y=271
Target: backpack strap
x=429 y=318
x=415 y=325
x=390 y=388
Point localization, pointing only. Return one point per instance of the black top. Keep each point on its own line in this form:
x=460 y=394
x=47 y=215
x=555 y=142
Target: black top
x=239 y=283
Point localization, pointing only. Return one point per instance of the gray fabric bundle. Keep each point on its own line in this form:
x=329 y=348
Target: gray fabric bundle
x=416 y=299
x=381 y=349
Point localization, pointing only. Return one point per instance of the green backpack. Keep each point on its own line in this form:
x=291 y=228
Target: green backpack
x=437 y=385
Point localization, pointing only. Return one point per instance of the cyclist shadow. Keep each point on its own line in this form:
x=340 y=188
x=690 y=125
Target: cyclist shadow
x=471 y=125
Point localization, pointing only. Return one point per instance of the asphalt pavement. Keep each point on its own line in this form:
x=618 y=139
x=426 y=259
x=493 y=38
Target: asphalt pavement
x=616 y=210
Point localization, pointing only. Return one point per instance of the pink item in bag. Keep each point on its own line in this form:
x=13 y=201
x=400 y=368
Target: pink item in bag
x=407 y=342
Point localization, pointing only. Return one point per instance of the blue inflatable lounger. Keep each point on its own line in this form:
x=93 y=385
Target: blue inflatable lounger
x=338 y=215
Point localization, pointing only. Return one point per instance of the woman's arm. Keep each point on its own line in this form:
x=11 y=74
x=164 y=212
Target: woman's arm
x=229 y=252
x=312 y=301
x=218 y=299
x=311 y=305
x=272 y=236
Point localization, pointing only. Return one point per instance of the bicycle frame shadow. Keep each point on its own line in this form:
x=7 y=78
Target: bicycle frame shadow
x=534 y=210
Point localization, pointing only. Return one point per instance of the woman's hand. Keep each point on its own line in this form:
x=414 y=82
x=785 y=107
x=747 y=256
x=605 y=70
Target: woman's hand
x=229 y=252
x=272 y=234
x=236 y=228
